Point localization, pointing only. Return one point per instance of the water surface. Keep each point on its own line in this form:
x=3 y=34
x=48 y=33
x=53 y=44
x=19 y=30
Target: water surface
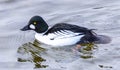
x=102 y=15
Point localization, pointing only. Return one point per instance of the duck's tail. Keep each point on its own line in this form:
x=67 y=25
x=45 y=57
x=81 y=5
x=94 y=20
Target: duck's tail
x=91 y=35
x=91 y=31
x=98 y=39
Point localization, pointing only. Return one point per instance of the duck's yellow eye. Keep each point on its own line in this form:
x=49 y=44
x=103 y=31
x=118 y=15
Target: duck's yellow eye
x=34 y=23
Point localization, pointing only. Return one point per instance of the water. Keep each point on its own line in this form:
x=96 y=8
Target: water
x=102 y=15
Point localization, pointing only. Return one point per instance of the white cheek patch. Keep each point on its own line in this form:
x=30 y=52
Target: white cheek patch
x=32 y=26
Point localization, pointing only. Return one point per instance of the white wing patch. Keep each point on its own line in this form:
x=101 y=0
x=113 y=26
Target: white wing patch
x=60 y=38
x=62 y=34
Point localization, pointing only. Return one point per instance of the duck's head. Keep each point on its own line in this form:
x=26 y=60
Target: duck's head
x=37 y=24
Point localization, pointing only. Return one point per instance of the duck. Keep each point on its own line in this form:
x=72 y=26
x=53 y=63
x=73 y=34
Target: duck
x=60 y=34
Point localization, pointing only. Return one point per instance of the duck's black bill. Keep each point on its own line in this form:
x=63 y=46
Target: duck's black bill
x=25 y=28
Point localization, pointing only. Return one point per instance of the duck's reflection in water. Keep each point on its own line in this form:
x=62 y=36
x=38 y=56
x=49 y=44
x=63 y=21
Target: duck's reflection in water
x=31 y=52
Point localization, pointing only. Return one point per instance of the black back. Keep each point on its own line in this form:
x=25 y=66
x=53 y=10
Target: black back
x=64 y=26
x=89 y=35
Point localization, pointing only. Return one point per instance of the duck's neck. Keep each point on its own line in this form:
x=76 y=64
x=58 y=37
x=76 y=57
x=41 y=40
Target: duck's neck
x=42 y=33
x=42 y=28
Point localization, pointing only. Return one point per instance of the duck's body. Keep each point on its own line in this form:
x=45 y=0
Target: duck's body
x=57 y=40
x=60 y=34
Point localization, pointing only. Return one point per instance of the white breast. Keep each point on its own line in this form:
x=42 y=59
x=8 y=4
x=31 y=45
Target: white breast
x=61 y=38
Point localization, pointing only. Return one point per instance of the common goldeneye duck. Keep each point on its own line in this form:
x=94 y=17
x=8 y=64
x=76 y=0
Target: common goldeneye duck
x=61 y=34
